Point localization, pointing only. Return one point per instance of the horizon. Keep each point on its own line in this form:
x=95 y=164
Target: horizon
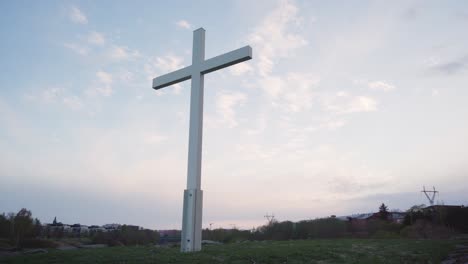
x=233 y=225
x=344 y=106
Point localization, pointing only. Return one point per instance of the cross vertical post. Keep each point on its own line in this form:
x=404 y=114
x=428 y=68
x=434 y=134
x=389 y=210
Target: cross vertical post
x=193 y=195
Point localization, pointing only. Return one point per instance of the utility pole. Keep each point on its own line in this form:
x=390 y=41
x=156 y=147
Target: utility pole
x=432 y=197
x=270 y=218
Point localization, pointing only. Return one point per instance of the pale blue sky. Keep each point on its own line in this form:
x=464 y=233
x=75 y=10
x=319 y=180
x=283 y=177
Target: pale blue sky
x=345 y=105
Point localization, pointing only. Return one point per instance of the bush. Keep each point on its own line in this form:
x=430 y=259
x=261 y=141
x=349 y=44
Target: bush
x=425 y=229
x=318 y=228
x=127 y=235
x=226 y=235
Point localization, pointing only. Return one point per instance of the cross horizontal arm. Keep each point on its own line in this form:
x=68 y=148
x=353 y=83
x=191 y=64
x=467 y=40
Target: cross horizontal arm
x=172 y=78
x=226 y=59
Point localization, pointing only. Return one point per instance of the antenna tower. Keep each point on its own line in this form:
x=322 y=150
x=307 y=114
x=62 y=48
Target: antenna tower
x=432 y=197
x=270 y=218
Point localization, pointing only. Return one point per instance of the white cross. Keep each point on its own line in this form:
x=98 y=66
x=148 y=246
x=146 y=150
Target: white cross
x=193 y=195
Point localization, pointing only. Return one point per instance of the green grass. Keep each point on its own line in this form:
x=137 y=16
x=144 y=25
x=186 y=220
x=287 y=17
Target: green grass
x=291 y=252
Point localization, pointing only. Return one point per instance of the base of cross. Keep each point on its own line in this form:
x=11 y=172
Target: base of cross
x=192 y=221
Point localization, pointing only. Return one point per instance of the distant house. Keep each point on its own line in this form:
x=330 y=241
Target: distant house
x=396 y=217
x=131 y=227
x=95 y=229
x=111 y=227
x=359 y=223
x=79 y=230
x=56 y=228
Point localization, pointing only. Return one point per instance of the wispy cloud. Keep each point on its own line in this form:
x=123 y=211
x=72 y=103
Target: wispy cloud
x=293 y=92
x=452 y=67
x=57 y=95
x=162 y=65
x=51 y=94
x=79 y=49
x=102 y=85
x=184 y=24
x=381 y=86
x=168 y=63
x=96 y=38
x=73 y=102
x=343 y=103
x=77 y=16
x=105 y=79
x=240 y=69
x=225 y=103
x=274 y=38
x=123 y=53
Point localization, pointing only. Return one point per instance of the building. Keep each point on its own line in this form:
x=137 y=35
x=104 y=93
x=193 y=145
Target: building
x=79 y=230
x=111 y=227
x=95 y=229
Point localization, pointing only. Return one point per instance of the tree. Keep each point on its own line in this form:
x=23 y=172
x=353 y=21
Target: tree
x=4 y=226
x=383 y=212
x=37 y=229
x=23 y=226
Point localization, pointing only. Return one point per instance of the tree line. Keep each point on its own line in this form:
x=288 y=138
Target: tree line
x=21 y=230
x=418 y=222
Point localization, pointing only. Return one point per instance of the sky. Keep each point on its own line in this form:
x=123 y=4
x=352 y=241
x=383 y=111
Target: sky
x=344 y=106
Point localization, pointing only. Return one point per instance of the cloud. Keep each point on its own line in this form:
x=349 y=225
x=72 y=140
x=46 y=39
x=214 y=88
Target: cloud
x=127 y=76
x=57 y=95
x=225 y=103
x=293 y=92
x=105 y=79
x=161 y=65
x=381 y=86
x=81 y=50
x=73 y=102
x=102 y=85
x=77 y=16
x=274 y=38
x=51 y=94
x=452 y=67
x=240 y=69
x=168 y=63
x=96 y=38
x=343 y=103
x=123 y=53
x=183 y=24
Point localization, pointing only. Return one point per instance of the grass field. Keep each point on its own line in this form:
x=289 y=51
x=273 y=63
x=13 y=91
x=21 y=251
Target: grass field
x=299 y=251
